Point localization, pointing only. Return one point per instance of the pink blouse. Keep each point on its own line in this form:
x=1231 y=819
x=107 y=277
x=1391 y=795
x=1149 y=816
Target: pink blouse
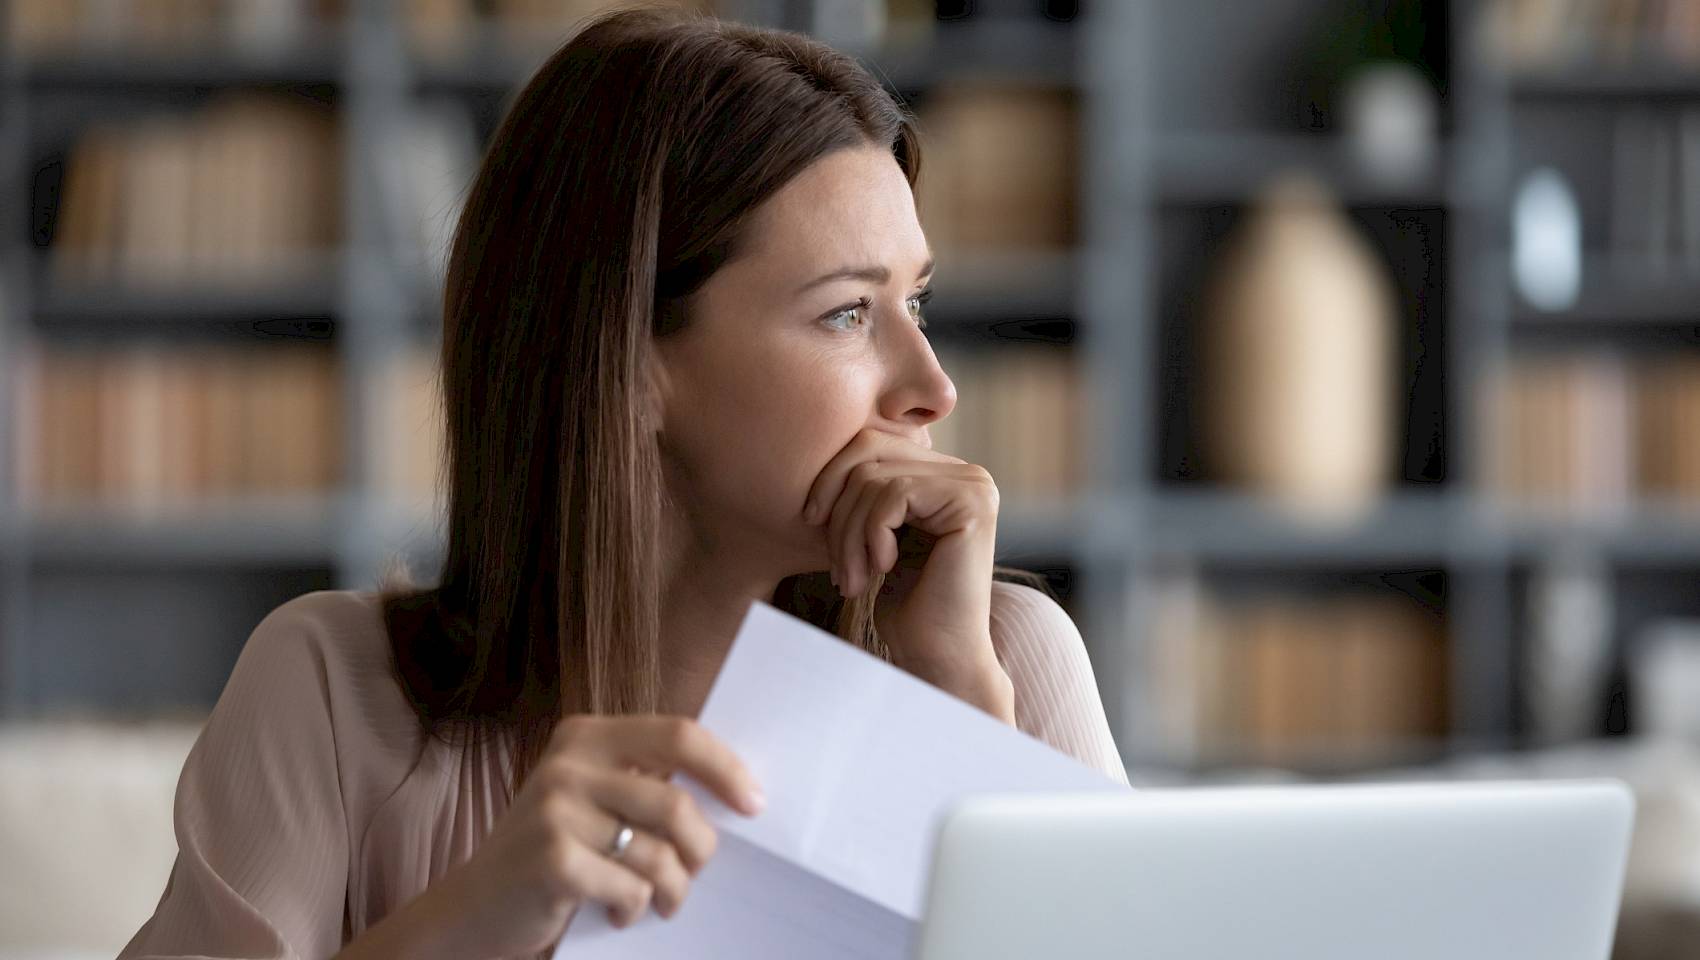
x=312 y=805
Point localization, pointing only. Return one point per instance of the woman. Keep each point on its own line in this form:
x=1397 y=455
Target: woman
x=665 y=399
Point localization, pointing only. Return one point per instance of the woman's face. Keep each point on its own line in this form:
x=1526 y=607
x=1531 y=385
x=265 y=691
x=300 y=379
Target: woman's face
x=791 y=349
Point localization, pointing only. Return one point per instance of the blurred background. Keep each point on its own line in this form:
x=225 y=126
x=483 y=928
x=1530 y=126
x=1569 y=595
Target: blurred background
x=1338 y=361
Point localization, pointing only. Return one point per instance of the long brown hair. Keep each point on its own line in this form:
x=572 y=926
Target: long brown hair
x=614 y=186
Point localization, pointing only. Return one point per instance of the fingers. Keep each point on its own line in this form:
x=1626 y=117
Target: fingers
x=886 y=513
x=869 y=444
x=651 y=854
x=851 y=540
x=663 y=744
x=663 y=809
x=879 y=497
x=592 y=876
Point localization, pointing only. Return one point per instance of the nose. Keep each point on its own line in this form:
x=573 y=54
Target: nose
x=917 y=390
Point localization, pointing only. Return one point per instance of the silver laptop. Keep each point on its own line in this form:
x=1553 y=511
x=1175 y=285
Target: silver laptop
x=1474 y=871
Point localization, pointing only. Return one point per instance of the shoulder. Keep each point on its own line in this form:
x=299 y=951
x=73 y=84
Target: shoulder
x=321 y=657
x=1028 y=619
x=324 y=628
x=314 y=689
x=1035 y=638
x=1056 y=690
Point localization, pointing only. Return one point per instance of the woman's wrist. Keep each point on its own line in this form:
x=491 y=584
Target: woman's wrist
x=983 y=683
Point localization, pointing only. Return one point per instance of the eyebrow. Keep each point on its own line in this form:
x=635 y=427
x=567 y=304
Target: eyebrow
x=876 y=274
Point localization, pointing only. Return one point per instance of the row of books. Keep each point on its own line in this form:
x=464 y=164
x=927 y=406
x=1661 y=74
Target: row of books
x=251 y=185
x=53 y=27
x=1655 y=189
x=249 y=182
x=1536 y=34
x=447 y=29
x=1294 y=680
x=999 y=167
x=442 y=27
x=142 y=425
x=143 y=428
x=1018 y=414
x=1596 y=431
x=998 y=172
x=436 y=27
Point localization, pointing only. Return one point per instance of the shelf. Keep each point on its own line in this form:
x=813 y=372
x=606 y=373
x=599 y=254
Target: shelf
x=298 y=300
x=1002 y=50
x=1445 y=527
x=1630 y=295
x=1032 y=528
x=1648 y=533
x=487 y=62
x=983 y=288
x=992 y=293
x=1030 y=52
x=1057 y=529
x=259 y=530
x=316 y=59
x=1228 y=526
x=1323 y=761
x=1607 y=81
x=1208 y=168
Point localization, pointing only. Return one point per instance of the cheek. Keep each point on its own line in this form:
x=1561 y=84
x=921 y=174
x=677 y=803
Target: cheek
x=798 y=416
x=758 y=430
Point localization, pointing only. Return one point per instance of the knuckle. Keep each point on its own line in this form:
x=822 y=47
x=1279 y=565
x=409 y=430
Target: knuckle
x=555 y=808
x=864 y=471
x=566 y=777
x=674 y=880
x=710 y=841
x=564 y=857
x=679 y=812
x=682 y=734
x=671 y=865
x=573 y=730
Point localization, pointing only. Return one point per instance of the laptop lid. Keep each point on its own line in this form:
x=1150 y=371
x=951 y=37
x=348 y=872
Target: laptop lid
x=1474 y=871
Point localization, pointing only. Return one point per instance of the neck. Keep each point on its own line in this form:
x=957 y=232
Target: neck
x=704 y=600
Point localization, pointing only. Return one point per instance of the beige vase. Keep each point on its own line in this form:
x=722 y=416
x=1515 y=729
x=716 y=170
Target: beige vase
x=1298 y=353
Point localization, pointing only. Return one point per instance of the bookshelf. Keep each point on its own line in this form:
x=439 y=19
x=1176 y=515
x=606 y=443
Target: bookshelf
x=1180 y=118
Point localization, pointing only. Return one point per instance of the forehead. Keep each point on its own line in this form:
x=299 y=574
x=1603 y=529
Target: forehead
x=850 y=207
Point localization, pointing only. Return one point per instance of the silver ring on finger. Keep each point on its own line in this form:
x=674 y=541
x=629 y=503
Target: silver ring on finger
x=622 y=840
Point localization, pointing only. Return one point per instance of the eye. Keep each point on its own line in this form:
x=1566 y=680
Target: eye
x=919 y=300
x=856 y=310
x=852 y=310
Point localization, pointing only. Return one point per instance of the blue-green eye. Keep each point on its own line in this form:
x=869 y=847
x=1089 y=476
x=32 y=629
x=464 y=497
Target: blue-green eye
x=855 y=310
x=852 y=310
x=919 y=300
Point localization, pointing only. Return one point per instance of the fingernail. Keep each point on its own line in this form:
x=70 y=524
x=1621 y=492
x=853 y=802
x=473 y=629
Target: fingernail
x=754 y=802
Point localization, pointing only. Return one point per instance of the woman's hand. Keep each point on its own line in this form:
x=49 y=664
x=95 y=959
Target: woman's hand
x=929 y=521
x=545 y=854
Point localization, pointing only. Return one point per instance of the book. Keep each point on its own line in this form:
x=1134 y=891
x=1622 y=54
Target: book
x=143 y=427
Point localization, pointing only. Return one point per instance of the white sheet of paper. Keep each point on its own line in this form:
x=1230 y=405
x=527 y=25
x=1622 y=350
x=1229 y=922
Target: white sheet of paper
x=858 y=760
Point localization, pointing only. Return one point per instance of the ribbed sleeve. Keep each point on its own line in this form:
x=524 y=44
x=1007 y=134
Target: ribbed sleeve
x=1056 y=693
x=262 y=864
